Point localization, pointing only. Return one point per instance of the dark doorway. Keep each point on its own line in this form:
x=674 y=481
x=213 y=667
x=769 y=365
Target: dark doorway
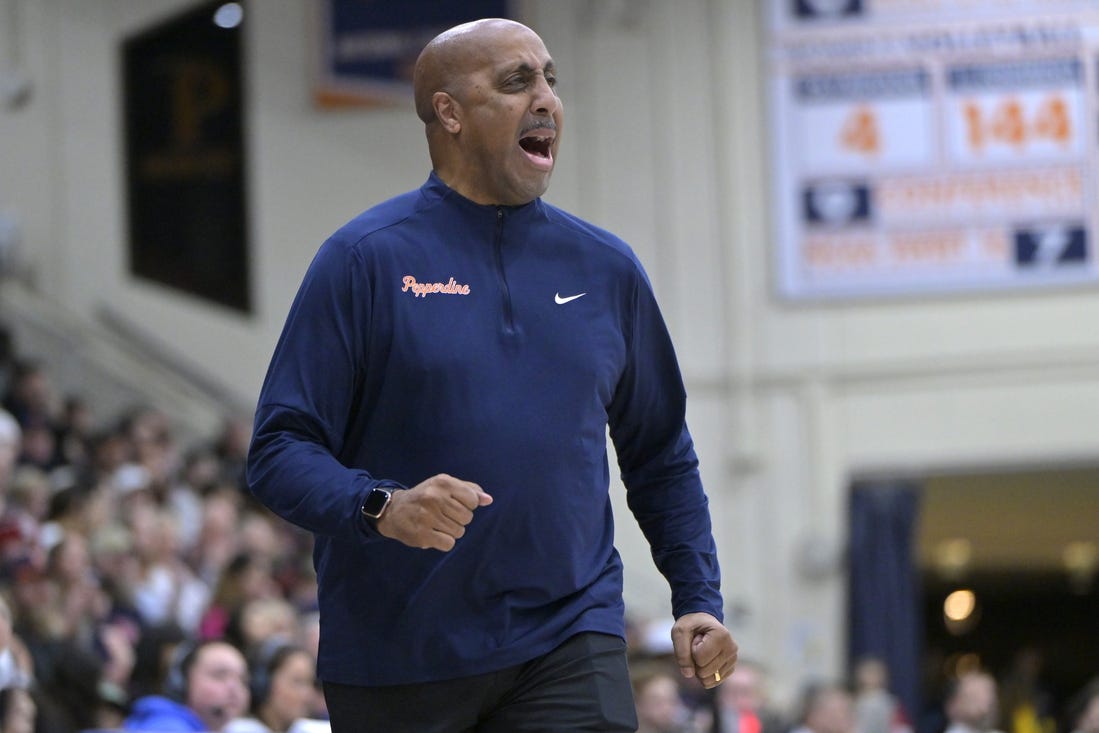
x=1020 y=550
x=1020 y=611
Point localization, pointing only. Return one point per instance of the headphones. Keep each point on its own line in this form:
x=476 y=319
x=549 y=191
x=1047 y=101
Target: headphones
x=268 y=657
x=183 y=659
x=179 y=666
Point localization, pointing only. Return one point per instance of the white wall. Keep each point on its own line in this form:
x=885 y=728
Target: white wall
x=664 y=143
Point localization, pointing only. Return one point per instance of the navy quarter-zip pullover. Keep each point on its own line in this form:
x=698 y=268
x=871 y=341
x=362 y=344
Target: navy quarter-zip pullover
x=496 y=344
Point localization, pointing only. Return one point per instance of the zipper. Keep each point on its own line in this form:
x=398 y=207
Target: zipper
x=498 y=251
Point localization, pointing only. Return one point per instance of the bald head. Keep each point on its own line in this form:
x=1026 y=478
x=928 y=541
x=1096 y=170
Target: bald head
x=486 y=94
x=447 y=60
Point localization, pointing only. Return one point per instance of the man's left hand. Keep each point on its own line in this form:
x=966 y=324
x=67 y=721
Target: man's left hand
x=704 y=648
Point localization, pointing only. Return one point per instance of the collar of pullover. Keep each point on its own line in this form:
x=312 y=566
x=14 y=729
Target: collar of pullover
x=436 y=190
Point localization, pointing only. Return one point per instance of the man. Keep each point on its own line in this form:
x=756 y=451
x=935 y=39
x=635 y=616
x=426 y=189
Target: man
x=826 y=708
x=660 y=705
x=742 y=702
x=972 y=703
x=206 y=688
x=436 y=411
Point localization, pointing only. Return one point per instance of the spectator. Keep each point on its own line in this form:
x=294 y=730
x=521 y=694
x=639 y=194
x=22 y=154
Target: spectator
x=110 y=451
x=827 y=708
x=282 y=686
x=232 y=449
x=660 y=706
x=877 y=710
x=30 y=396
x=168 y=590
x=27 y=507
x=73 y=433
x=245 y=579
x=206 y=687
x=153 y=655
x=308 y=636
x=81 y=601
x=218 y=541
x=113 y=560
x=39 y=446
x=742 y=704
x=971 y=703
x=263 y=619
x=1026 y=706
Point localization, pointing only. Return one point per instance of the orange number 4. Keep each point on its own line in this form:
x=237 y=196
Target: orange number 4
x=860 y=132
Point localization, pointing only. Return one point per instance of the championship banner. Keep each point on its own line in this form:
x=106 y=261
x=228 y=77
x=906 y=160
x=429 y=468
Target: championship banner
x=924 y=146
x=368 y=48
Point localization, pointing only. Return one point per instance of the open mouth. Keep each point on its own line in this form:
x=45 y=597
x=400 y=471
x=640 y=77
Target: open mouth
x=537 y=145
x=538 y=149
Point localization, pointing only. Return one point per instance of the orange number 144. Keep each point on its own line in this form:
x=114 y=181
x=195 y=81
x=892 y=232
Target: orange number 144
x=1007 y=124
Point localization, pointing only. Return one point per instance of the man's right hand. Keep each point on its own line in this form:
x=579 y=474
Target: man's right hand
x=433 y=514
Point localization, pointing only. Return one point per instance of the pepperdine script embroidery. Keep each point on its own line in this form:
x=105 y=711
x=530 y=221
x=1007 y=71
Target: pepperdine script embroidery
x=422 y=290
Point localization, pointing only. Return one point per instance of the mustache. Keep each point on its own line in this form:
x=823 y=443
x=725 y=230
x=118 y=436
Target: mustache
x=544 y=124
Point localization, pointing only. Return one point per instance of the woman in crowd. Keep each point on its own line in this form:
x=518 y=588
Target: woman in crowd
x=282 y=687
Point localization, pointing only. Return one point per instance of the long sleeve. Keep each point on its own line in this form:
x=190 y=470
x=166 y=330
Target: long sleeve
x=485 y=374
x=306 y=404
x=658 y=462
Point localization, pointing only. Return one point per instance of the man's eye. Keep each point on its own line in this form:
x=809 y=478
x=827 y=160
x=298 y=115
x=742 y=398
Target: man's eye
x=551 y=80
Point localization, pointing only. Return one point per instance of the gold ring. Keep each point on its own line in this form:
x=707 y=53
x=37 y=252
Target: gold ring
x=717 y=676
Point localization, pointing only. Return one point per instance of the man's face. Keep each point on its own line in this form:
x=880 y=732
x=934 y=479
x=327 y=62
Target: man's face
x=660 y=706
x=217 y=685
x=832 y=713
x=511 y=120
x=742 y=690
x=976 y=703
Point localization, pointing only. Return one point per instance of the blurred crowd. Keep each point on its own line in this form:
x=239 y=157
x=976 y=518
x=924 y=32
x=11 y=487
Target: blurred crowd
x=140 y=583
x=121 y=550
x=972 y=700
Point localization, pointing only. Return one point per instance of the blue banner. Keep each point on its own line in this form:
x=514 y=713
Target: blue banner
x=368 y=48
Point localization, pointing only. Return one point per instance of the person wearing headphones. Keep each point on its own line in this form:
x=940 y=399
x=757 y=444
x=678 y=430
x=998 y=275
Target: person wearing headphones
x=282 y=686
x=205 y=688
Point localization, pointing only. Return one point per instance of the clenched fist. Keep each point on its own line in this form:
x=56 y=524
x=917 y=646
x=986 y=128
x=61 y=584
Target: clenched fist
x=433 y=514
x=704 y=648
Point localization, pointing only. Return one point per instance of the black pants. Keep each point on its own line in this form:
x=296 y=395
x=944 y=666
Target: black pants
x=582 y=685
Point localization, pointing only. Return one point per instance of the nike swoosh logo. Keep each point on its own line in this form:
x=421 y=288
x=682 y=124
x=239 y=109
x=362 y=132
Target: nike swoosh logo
x=561 y=301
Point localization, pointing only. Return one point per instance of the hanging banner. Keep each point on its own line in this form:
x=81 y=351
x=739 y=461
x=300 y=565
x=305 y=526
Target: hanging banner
x=926 y=146
x=368 y=48
x=183 y=118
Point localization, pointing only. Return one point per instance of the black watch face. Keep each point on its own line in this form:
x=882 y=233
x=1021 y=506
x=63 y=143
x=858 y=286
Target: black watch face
x=375 y=502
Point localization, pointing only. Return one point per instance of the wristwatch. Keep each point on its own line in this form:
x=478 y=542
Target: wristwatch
x=376 y=502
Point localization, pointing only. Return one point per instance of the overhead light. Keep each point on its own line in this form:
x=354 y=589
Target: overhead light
x=229 y=15
x=960 y=612
x=959 y=605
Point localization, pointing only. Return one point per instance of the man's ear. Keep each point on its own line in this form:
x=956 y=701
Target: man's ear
x=447 y=111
